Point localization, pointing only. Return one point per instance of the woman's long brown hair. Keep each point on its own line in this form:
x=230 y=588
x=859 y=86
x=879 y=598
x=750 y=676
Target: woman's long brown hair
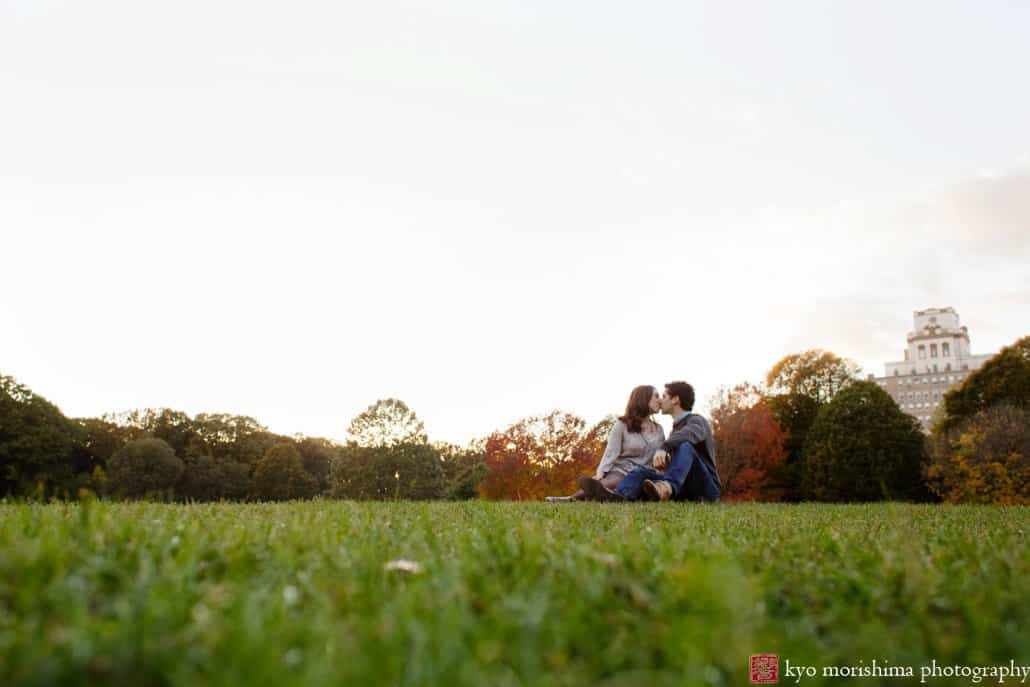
x=638 y=408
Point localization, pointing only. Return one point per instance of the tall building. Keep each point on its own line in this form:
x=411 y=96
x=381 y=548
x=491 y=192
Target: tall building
x=937 y=358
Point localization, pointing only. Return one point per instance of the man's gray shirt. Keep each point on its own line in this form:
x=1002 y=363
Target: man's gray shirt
x=695 y=430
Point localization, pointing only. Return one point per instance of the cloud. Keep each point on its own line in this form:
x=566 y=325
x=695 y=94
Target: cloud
x=988 y=215
x=992 y=213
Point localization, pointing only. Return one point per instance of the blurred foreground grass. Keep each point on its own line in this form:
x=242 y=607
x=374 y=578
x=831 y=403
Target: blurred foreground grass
x=504 y=593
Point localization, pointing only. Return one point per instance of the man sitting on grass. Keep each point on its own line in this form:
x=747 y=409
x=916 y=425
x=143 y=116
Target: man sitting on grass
x=691 y=473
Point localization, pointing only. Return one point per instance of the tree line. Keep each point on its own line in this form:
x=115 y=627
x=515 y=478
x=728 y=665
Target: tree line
x=814 y=431
x=169 y=455
x=811 y=430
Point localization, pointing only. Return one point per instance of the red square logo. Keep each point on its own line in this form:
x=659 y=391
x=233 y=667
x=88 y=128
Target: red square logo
x=765 y=669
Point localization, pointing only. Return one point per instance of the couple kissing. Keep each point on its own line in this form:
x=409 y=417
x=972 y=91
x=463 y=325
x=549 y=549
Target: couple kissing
x=641 y=463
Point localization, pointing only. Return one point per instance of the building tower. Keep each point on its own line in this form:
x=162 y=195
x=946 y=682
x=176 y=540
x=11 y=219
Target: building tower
x=937 y=358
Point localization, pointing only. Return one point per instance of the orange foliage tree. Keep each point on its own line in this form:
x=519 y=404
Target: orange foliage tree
x=986 y=459
x=749 y=445
x=539 y=456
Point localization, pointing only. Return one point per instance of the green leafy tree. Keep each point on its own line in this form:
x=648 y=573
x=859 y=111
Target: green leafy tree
x=206 y=478
x=37 y=443
x=143 y=468
x=399 y=471
x=316 y=454
x=280 y=475
x=100 y=439
x=174 y=427
x=862 y=447
x=817 y=374
x=1004 y=379
x=200 y=479
x=387 y=422
x=797 y=386
x=795 y=413
x=237 y=438
x=235 y=479
x=463 y=469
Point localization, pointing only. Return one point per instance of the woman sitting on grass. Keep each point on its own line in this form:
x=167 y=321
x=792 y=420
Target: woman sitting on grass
x=631 y=444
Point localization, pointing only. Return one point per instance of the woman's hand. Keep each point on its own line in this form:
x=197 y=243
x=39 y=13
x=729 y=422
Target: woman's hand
x=661 y=460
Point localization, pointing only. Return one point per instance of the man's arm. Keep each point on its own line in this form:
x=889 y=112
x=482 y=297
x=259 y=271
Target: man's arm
x=695 y=429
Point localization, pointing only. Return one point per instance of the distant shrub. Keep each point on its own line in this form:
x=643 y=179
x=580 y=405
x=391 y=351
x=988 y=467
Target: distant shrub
x=211 y=479
x=316 y=454
x=400 y=471
x=280 y=475
x=144 y=467
x=464 y=469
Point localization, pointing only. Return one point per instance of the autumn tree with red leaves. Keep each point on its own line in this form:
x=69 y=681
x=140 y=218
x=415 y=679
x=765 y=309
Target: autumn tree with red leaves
x=540 y=455
x=749 y=445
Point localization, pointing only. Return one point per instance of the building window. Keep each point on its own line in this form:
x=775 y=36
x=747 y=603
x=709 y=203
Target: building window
x=946 y=349
x=935 y=369
x=947 y=367
x=922 y=352
x=933 y=350
x=895 y=373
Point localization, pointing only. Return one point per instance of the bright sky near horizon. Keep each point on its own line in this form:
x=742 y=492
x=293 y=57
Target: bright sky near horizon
x=495 y=209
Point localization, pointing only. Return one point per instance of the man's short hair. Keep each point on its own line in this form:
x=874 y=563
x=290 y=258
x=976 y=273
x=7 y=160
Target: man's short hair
x=684 y=391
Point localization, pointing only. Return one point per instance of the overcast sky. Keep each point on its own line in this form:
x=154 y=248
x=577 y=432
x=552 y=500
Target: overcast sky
x=494 y=209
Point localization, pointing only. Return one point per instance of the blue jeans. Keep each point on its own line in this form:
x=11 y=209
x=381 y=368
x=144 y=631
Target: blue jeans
x=686 y=473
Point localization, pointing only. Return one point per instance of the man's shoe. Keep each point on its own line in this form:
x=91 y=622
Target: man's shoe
x=596 y=491
x=657 y=490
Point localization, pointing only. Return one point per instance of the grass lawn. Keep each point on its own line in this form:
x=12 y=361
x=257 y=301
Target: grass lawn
x=504 y=593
